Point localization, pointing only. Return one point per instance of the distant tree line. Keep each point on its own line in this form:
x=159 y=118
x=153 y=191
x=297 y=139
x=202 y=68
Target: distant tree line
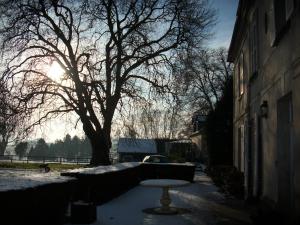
x=69 y=147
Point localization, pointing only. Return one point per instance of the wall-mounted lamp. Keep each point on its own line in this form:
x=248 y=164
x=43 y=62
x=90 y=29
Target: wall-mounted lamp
x=264 y=109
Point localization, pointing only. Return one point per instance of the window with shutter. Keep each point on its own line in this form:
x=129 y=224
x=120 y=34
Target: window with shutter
x=280 y=13
x=279 y=7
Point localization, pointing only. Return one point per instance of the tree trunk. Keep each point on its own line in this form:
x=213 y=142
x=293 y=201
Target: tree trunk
x=3 y=145
x=98 y=141
x=100 y=150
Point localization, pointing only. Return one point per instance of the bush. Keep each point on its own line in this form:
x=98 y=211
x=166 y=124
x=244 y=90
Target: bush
x=228 y=179
x=219 y=127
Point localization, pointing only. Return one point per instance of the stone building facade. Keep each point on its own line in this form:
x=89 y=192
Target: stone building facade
x=265 y=50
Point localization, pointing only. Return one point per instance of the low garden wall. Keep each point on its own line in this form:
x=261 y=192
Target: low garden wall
x=101 y=184
x=42 y=204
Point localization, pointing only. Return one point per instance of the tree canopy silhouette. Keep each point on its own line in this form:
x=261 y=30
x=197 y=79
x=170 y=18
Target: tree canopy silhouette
x=108 y=51
x=21 y=148
x=40 y=150
x=12 y=119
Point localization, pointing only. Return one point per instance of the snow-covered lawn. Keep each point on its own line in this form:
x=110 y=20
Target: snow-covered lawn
x=206 y=204
x=15 y=179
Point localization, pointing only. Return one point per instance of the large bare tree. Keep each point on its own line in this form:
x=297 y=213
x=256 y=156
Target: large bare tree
x=200 y=76
x=206 y=73
x=108 y=50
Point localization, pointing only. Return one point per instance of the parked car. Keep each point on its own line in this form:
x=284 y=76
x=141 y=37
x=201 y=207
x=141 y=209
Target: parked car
x=156 y=159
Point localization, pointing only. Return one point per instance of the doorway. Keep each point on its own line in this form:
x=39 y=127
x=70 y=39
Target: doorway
x=285 y=153
x=254 y=156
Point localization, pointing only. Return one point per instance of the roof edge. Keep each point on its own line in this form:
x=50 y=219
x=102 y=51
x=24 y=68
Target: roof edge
x=239 y=26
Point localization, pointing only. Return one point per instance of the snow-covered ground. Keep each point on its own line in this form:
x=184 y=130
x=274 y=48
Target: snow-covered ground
x=202 y=198
x=15 y=179
x=206 y=205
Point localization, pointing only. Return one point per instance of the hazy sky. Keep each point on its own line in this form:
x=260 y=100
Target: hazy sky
x=226 y=10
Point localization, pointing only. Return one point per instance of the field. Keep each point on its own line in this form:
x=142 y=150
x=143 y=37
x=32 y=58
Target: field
x=53 y=166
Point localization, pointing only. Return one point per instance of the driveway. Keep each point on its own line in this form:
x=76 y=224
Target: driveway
x=206 y=206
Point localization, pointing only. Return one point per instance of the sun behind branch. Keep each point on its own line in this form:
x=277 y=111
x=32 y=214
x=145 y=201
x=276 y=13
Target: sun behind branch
x=55 y=71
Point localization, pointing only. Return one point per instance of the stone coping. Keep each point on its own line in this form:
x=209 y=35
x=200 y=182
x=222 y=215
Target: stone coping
x=101 y=169
x=172 y=164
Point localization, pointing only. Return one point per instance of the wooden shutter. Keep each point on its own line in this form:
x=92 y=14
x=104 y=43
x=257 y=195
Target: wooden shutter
x=289 y=8
x=242 y=148
x=272 y=26
x=241 y=74
x=238 y=157
x=254 y=43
